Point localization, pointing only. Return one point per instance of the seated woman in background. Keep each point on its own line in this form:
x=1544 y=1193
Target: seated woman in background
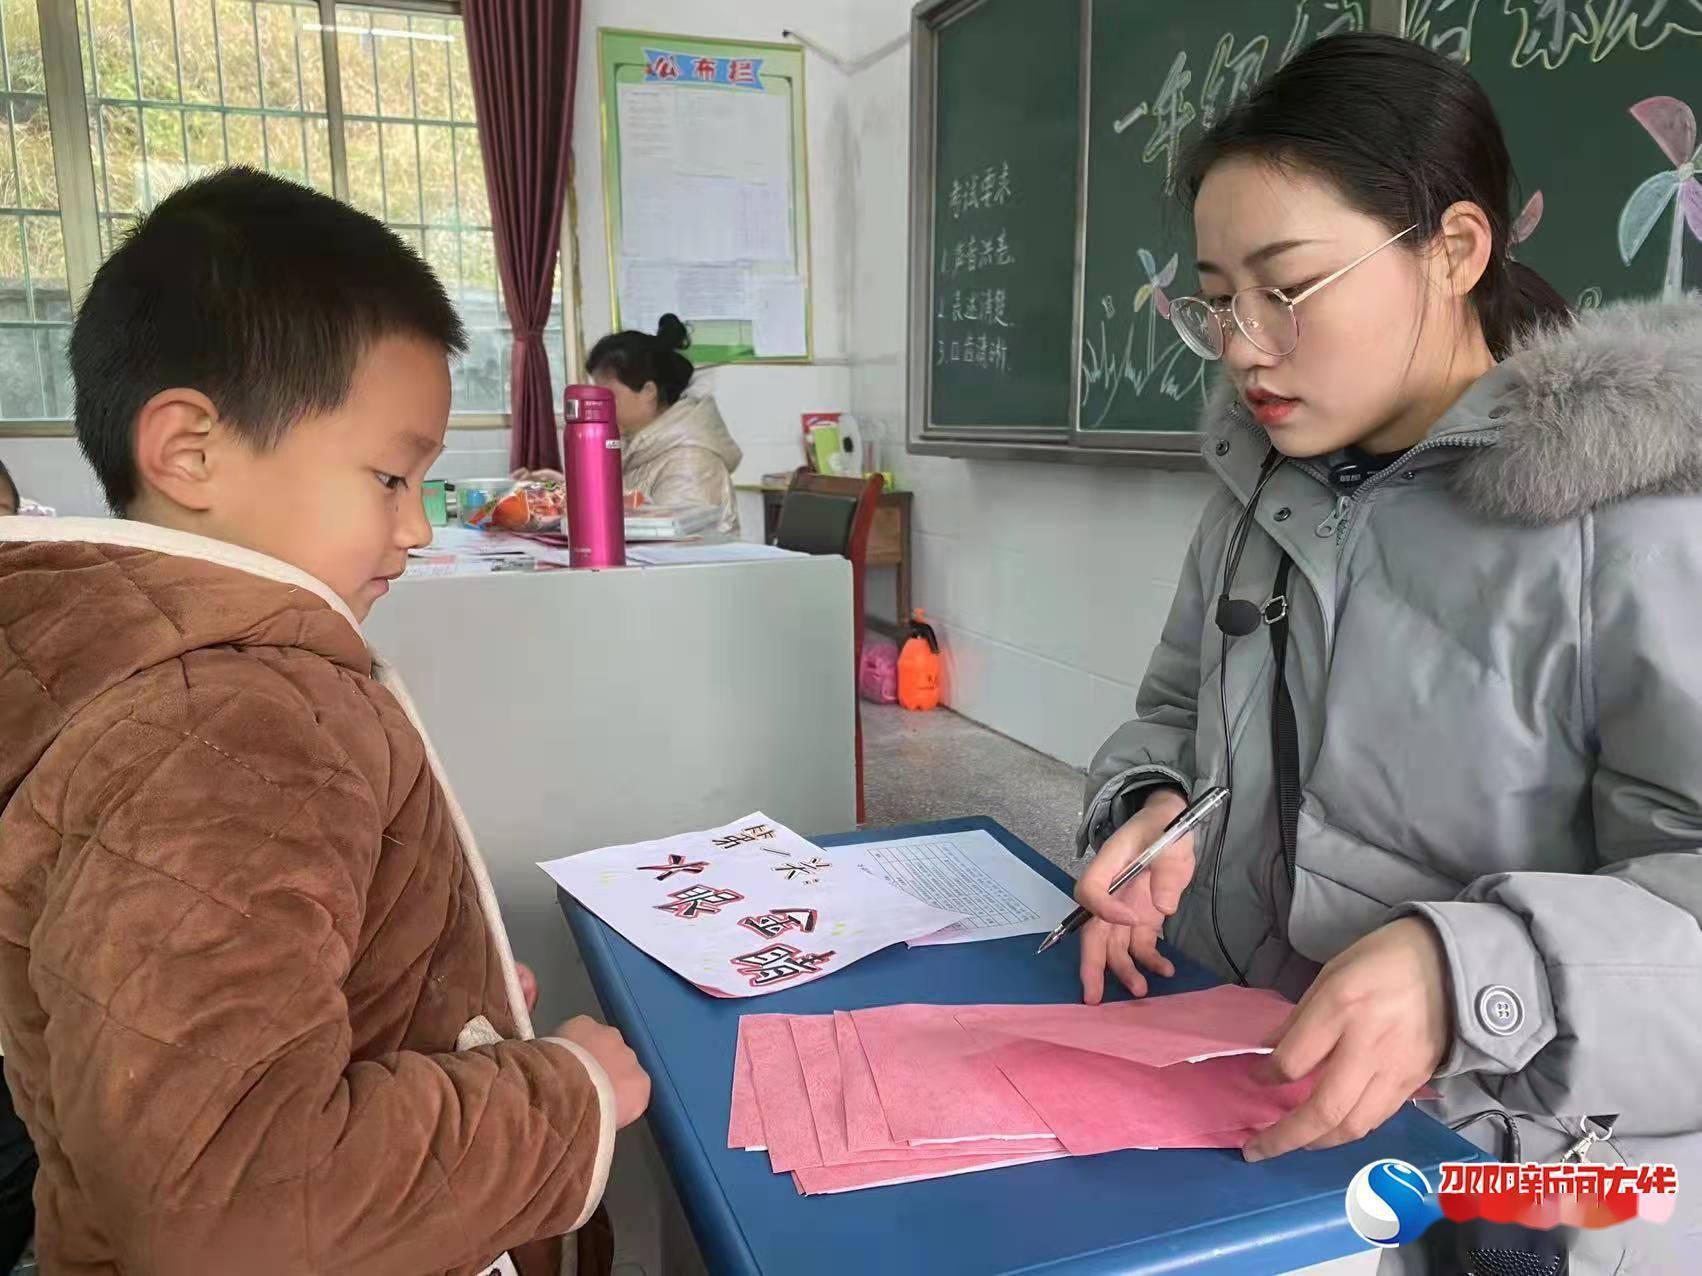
x=678 y=450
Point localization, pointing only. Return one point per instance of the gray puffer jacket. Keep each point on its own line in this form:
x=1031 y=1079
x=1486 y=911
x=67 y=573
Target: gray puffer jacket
x=1496 y=668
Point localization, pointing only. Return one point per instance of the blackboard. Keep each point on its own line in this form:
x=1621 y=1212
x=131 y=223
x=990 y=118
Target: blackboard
x=1006 y=153
x=1128 y=83
x=1563 y=79
x=1162 y=74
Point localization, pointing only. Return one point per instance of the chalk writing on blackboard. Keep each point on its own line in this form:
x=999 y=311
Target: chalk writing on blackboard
x=1171 y=114
x=1551 y=32
x=991 y=188
x=989 y=305
x=971 y=308
x=976 y=252
x=1129 y=346
x=1443 y=26
x=1230 y=75
x=975 y=350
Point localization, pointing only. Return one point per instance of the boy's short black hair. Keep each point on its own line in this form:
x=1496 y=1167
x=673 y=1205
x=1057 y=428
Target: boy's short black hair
x=7 y=485
x=259 y=293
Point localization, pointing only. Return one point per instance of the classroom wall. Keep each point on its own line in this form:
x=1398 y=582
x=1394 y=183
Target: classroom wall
x=762 y=405
x=1049 y=582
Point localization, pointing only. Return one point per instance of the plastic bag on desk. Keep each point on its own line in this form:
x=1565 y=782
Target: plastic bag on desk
x=532 y=506
x=877 y=675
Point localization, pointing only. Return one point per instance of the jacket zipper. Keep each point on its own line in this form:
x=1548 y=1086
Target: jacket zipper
x=1336 y=521
x=1335 y=517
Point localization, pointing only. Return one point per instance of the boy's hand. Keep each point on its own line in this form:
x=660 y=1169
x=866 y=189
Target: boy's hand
x=528 y=986
x=606 y=1045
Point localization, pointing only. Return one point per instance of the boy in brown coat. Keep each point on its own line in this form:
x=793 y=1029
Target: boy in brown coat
x=257 y=1005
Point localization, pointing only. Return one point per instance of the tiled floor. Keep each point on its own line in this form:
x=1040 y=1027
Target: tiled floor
x=936 y=765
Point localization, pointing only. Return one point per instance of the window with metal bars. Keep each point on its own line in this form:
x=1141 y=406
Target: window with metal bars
x=372 y=103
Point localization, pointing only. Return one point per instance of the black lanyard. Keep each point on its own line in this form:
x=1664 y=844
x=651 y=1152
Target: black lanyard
x=1285 y=738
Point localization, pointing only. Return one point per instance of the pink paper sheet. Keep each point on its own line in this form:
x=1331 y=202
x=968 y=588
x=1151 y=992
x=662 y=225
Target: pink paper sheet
x=818 y=1048
x=1096 y=1103
x=744 y=1122
x=850 y=1178
x=865 y=1120
x=1156 y=1031
x=936 y=1084
x=866 y=1129
x=780 y=1094
x=806 y=1087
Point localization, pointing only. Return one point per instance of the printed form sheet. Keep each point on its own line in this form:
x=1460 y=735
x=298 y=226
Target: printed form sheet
x=973 y=874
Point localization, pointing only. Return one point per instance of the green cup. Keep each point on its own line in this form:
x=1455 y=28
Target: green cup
x=436 y=502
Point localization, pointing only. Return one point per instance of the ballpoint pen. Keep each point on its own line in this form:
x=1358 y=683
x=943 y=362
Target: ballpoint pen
x=1185 y=823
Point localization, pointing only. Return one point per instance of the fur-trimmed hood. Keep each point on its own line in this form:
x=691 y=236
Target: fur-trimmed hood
x=1591 y=414
x=1581 y=416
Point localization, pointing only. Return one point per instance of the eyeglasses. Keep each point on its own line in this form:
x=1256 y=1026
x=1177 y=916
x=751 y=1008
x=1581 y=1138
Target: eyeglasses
x=1265 y=316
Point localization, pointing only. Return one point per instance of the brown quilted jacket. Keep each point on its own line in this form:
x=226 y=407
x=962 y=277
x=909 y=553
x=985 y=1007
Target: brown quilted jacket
x=257 y=1006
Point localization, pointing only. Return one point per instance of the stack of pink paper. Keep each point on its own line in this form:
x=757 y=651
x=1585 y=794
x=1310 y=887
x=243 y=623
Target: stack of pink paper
x=865 y=1098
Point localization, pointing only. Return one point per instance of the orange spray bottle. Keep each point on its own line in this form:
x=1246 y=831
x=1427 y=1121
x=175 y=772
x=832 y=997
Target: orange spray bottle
x=919 y=666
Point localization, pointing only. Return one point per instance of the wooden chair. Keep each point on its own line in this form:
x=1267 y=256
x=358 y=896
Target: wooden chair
x=827 y=514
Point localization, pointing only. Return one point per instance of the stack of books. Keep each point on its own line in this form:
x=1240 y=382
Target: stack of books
x=669 y=522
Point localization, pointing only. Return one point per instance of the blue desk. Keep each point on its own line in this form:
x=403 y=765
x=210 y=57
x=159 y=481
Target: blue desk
x=1196 y=1211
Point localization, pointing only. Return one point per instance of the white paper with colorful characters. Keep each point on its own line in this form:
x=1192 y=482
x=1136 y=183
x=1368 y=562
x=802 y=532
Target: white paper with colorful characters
x=747 y=908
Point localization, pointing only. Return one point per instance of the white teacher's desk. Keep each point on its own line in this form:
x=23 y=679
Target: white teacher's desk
x=579 y=709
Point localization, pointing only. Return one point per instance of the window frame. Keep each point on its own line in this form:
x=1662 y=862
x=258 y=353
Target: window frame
x=79 y=209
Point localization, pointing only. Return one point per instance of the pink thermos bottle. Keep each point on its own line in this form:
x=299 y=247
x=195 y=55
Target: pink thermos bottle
x=591 y=458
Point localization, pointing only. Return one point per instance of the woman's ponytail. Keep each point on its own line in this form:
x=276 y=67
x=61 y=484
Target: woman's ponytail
x=1512 y=302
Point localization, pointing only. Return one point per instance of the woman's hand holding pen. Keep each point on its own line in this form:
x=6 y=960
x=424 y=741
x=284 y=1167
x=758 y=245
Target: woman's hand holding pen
x=1125 y=929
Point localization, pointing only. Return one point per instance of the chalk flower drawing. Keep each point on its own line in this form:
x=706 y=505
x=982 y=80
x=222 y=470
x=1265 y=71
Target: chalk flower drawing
x=1673 y=126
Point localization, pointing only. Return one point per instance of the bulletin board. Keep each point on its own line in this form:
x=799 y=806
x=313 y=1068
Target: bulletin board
x=706 y=192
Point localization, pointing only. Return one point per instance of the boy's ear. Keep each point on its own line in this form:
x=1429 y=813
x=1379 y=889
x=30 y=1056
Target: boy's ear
x=176 y=447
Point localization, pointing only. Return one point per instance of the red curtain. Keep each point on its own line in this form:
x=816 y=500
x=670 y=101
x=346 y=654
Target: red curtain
x=524 y=54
